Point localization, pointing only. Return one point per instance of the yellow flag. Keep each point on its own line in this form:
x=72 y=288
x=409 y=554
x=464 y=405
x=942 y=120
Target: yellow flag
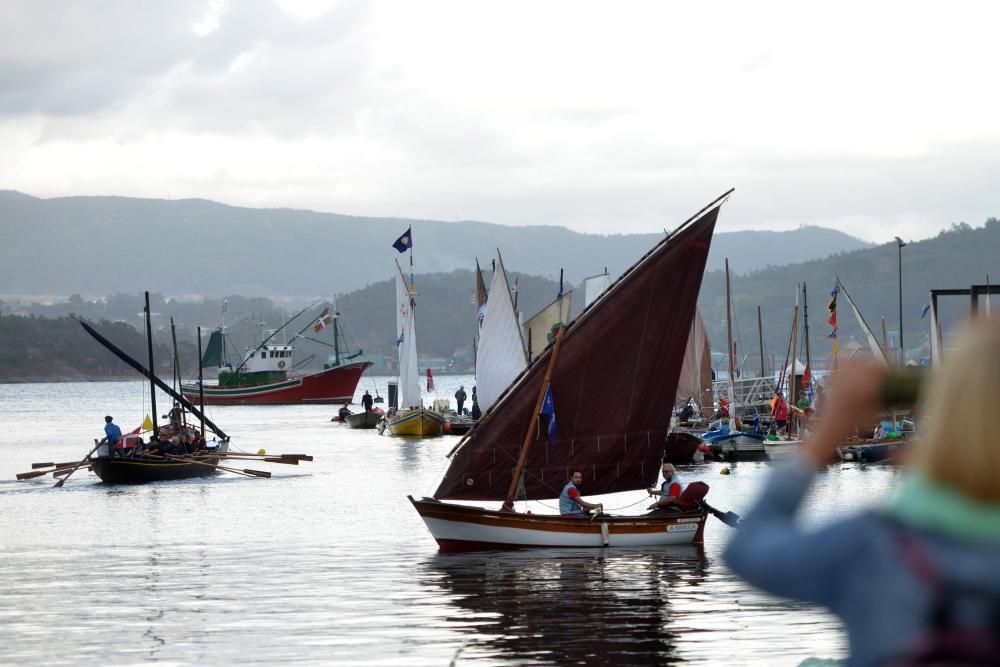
x=147 y=424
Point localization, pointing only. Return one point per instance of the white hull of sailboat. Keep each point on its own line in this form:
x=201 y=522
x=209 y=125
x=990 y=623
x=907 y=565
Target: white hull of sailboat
x=781 y=449
x=465 y=528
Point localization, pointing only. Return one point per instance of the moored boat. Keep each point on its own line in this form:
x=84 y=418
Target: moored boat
x=416 y=423
x=365 y=419
x=264 y=376
x=411 y=418
x=603 y=429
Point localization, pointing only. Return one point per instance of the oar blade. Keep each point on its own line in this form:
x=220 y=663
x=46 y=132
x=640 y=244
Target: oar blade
x=257 y=473
x=32 y=475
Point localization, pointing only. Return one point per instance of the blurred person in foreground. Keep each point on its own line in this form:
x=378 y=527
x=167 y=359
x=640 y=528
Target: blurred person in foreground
x=920 y=575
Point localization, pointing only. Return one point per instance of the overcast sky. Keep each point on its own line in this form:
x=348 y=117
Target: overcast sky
x=877 y=119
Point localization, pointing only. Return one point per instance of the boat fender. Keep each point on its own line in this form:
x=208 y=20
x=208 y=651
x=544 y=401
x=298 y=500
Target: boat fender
x=604 y=534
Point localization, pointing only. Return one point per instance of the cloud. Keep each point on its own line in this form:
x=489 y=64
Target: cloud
x=603 y=119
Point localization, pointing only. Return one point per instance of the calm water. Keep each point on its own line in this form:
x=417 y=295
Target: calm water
x=327 y=562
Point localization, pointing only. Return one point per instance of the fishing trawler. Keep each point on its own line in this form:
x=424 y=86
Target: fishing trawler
x=265 y=374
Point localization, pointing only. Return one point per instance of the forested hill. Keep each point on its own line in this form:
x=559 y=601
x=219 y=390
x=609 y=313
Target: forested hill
x=956 y=258
x=35 y=349
x=103 y=245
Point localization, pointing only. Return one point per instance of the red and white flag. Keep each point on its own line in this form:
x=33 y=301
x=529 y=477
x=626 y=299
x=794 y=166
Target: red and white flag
x=323 y=321
x=430 y=380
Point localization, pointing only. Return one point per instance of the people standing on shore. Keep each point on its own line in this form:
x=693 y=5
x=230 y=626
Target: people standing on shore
x=476 y=412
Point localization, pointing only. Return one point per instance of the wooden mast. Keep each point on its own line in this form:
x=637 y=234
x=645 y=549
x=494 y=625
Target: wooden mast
x=152 y=384
x=177 y=362
x=805 y=334
x=508 y=504
x=760 y=340
x=201 y=386
x=791 y=377
x=729 y=350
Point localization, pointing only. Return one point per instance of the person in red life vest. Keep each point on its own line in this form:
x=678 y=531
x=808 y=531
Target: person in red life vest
x=570 y=502
x=669 y=491
x=779 y=410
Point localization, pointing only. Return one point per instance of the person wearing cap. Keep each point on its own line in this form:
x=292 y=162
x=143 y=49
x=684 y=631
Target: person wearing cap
x=112 y=434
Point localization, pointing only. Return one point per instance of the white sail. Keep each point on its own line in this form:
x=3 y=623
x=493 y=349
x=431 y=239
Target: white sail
x=406 y=342
x=538 y=329
x=876 y=349
x=500 y=355
x=595 y=286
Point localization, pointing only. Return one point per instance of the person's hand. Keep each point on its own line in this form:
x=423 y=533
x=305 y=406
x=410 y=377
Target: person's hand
x=853 y=397
x=653 y=506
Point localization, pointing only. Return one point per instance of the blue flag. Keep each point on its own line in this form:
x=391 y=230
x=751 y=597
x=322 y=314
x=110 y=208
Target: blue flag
x=399 y=341
x=404 y=242
x=923 y=312
x=549 y=409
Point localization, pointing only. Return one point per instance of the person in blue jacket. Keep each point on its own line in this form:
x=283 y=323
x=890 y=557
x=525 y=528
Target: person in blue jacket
x=924 y=566
x=112 y=433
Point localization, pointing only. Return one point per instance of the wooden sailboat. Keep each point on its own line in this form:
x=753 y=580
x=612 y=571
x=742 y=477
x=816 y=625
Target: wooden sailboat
x=123 y=466
x=612 y=374
x=411 y=419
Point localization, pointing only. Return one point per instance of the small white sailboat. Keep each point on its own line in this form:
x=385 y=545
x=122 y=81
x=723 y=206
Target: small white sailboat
x=411 y=418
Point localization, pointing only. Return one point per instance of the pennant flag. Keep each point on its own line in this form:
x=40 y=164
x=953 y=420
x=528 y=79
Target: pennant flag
x=323 y=321
x=806 y=377
x=404 y=242
x=549 y=410
x=923 y=313
x=832 y=307
x=430 y=380
x=147 y=424
x=481 y=295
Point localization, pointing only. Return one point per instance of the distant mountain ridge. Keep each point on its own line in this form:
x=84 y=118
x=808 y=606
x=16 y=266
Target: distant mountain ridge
x=104 y=245
x=956 y=258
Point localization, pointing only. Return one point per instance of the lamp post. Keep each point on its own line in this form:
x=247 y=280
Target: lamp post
x=902 y=353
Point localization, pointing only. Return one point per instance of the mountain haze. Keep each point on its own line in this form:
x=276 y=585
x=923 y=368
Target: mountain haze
x=104 y=245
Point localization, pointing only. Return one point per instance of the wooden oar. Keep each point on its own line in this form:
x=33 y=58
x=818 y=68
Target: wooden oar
x=245 y=471
x=85 y=458
x=268 y=459
x=731 y=519
x=297 y=457
x=66 y=471
x=35 y=466
x=41 y=473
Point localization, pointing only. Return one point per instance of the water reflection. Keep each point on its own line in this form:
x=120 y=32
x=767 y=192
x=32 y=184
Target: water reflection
x=562 y=607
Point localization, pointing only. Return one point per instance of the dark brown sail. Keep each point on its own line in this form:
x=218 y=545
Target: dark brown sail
x=613 y=386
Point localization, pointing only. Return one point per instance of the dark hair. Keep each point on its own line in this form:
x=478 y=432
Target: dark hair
x=109 y=418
